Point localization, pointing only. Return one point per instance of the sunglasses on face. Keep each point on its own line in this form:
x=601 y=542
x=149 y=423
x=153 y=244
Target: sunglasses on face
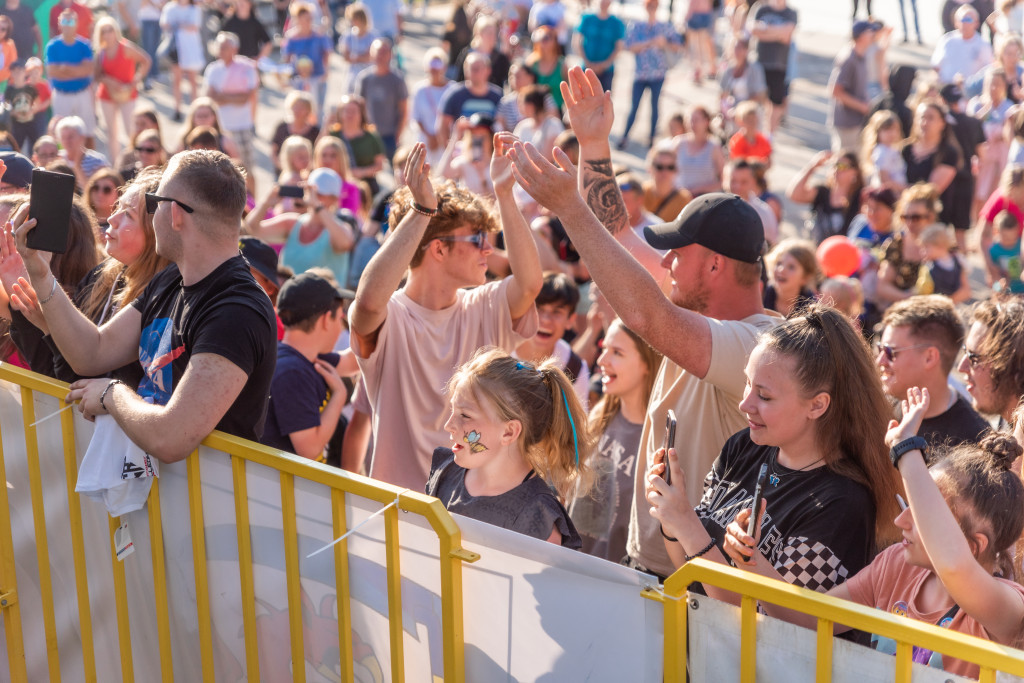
x=891 y=351
x=910 y=217
x=153 y=203
x=103 y=189
x=146 y=150
x=975 y=359
x=478 y=239
x=663 y=167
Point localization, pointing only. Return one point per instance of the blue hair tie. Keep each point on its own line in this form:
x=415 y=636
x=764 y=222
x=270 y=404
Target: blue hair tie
x=520 y=365
x=575 y=443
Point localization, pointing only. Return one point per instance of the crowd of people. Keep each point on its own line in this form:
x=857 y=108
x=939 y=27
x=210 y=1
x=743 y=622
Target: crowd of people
x=451 y=287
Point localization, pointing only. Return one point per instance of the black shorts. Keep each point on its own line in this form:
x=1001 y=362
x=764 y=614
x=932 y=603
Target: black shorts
x=778 y=88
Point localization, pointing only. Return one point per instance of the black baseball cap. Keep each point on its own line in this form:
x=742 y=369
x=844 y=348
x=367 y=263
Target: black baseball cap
x=260 y=256
x=722 y=222
x=951 y=93
x=19 y=169
x=308 y=295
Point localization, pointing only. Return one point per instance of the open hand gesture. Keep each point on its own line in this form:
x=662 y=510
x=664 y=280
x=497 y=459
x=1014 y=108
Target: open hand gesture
x=501 y=164
x=417 y=177
x=553 y=187
x=591 y=114
x=37 y=263
x=11 y=265
x=914 y=407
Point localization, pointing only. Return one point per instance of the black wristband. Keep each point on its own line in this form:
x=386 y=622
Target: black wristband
x=104 y=394
x=907 y=445
x=703 y=551
x=666 y=536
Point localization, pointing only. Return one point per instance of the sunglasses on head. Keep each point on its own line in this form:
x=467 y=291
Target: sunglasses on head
x=891 y=351
x=478 y=239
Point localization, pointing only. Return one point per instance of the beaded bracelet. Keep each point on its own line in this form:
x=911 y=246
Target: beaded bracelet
x=701 y=552
x=104 y=394
x=422 y=210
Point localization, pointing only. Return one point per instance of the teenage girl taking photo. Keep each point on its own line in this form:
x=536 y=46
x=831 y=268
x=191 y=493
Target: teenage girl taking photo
x=817 y=419
x=515 y=427
x=965 y=514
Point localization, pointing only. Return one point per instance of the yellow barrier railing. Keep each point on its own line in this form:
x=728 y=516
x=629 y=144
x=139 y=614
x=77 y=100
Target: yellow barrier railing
x=989 y=656
x=241 y=452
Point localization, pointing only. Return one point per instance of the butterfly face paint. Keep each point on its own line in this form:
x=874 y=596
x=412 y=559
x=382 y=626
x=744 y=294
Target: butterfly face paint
x=473 y=439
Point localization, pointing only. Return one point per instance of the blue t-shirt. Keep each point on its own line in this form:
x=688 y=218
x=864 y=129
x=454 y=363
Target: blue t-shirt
x=297 y=395
x=1009 y=261
x=459 y=101
x=59 y=52
x=313 y=46
x=600 y=35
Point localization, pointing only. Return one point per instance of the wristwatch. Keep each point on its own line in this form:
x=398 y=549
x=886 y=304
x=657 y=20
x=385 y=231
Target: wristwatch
x=907 y=445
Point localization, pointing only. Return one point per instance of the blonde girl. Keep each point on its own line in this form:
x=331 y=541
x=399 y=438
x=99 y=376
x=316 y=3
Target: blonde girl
x=880 y=152
x=515 y=427
x=330 y=152
x=120 y=66
x=793 y=276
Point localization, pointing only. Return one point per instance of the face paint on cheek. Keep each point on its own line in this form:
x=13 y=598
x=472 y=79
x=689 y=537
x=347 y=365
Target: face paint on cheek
x=473 y=439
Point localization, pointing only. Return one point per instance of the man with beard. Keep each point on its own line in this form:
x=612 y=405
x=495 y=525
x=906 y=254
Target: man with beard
x=993 y=361
x=707 y=329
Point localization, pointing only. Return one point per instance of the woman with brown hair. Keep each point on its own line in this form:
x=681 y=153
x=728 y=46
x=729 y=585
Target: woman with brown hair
x=119 y=279
x=548 y=63
x=834 y=202
x=904 y=254
x=818 y=418
x=933 y=156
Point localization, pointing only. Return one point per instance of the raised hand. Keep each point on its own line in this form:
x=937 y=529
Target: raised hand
x=591 y=114
x=914 y=407
x=11 y=265
x=37 y=263
x=553 y=187
x=501 y=164
x=25 y=300
x=417 y=177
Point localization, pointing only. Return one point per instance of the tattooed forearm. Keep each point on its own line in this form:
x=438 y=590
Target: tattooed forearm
x=602 y=194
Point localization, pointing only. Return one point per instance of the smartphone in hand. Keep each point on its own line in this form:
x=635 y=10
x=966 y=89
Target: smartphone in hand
x=291 y=191
x=755 y=507
x=50 y=200
x=670 y=442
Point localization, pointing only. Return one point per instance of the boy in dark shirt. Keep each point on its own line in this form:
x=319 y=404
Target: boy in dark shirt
x=307 y=393
x=22 y=96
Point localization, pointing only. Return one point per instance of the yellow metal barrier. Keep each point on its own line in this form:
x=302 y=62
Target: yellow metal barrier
x=990 y=657
x=241 y=452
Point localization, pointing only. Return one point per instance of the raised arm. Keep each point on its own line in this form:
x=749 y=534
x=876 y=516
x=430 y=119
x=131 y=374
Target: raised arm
x=991 y=602
x=591 y=117
x=800 y=189
x=632 y=292
x=523 y=258
x=388 y=266
x=89 y=350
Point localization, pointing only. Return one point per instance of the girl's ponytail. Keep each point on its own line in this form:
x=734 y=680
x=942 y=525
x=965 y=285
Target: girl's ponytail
x=563 y=450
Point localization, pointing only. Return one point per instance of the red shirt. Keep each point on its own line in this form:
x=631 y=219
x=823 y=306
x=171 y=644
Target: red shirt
x=742 y=148
x=84 y=14
x=998 y=202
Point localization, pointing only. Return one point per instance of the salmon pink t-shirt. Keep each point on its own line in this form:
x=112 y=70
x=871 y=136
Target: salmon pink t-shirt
x=417 y=352
x=889 y=583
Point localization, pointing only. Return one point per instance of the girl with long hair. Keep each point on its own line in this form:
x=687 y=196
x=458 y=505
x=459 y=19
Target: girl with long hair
x=331 y=153
x=933 y=155
x=628 y=368
x=817 y=417
x=698 y=155
x=548 y=63
x=514 y=427
x=101 y=194
x=952 y=567
x=834 y=202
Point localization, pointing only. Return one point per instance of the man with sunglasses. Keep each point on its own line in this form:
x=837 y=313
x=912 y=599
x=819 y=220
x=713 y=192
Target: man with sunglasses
x=921 y=337
x=203 y=330
x=993 y=360
x=409 y=342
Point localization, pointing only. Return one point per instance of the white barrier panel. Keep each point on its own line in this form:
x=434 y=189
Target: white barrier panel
x=785 y=653
x=533 y=611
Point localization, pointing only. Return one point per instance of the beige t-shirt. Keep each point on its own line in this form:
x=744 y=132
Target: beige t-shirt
x=417 y=352
x=707 y=414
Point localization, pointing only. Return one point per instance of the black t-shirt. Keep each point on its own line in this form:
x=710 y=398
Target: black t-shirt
x=23 y=20
x=227 y=314
x=281 y=134
x=960 y=424
x=500 y=65
x=251 y=35
x=819 y=527
x=920 y=170
x=297 y=395
x=530 y=508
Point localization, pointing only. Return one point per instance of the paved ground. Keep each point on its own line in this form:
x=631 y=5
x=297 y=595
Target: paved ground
x=823 y=30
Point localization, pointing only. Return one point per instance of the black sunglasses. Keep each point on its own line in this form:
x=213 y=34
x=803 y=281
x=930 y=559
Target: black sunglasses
x=662 y=167
x=975 y=359
x=147 y=150
x=891 y=351
x=153 y=201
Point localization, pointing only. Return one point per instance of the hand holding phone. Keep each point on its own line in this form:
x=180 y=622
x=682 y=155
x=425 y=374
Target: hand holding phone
x=50 y=200
x=291 y=191
x=755 y=506
x=670 y=442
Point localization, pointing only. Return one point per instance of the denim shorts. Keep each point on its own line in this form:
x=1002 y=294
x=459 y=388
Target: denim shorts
x=700 y=21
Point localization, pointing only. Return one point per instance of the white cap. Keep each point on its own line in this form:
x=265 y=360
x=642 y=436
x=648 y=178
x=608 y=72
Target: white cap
x=325 y=181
